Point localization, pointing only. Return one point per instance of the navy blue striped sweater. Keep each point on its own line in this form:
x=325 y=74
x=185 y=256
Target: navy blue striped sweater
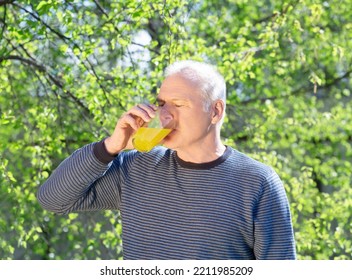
x=231 y=208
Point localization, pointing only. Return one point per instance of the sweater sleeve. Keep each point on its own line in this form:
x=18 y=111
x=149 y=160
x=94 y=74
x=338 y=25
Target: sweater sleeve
x=88 y=180
x=273 y=232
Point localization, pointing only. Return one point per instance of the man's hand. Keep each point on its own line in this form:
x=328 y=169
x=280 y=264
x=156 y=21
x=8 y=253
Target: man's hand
x=127 y=125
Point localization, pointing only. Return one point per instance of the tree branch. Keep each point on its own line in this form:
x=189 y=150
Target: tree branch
x=145 y=46
x=275 y=14
x=101 y=8
x=61 y=36
x=55 y=80
x=5 y=2
x=338 y=79
x=25 y=60
x=4 y=24
x=300 y=90
x=67 y=39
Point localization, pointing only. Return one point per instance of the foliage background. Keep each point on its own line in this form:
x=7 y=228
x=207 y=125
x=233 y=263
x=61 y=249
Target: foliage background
x=68 y=69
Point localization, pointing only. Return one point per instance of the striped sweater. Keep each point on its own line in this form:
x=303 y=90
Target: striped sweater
x=231 y=208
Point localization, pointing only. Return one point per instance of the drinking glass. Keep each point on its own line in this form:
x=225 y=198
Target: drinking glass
x=147 y=137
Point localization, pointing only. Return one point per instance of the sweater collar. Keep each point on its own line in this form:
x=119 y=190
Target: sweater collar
x=204 y=165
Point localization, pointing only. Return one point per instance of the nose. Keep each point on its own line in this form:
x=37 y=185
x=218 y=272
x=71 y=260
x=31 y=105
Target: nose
x=166 y=117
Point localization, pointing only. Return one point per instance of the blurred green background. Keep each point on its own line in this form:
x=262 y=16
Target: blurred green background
x=69 y=69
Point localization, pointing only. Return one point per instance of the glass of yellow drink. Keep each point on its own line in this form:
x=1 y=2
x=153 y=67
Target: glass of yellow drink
x=146 y=138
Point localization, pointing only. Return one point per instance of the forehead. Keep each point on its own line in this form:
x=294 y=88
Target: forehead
x=177 y=87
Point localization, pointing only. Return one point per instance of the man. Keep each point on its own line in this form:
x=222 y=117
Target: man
x=194 y=198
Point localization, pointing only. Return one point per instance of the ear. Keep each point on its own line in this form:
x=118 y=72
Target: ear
x=218 y=111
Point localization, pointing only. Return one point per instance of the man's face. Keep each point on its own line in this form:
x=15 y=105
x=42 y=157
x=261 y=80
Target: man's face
x=183 y=104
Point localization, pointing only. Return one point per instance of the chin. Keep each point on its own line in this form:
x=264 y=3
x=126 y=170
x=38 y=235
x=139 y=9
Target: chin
x=169 y=141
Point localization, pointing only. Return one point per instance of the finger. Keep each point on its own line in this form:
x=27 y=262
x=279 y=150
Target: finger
x=143 y=111
x=132 y=121
x=149 y=108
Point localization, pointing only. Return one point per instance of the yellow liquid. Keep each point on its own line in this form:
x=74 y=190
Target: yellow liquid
x=147 y=138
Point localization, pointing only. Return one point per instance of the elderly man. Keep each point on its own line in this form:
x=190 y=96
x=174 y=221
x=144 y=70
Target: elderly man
x=193 y=198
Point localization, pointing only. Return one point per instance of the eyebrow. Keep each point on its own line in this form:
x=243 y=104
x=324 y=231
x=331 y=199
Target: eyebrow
x=173 y=99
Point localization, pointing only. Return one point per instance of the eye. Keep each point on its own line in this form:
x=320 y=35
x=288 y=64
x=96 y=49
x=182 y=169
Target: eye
x=160 y=103
x=179 y=104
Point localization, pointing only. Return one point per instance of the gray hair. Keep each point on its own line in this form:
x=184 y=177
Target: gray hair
x=211 y=83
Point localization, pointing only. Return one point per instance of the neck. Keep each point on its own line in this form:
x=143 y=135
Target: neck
x=202 y=152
